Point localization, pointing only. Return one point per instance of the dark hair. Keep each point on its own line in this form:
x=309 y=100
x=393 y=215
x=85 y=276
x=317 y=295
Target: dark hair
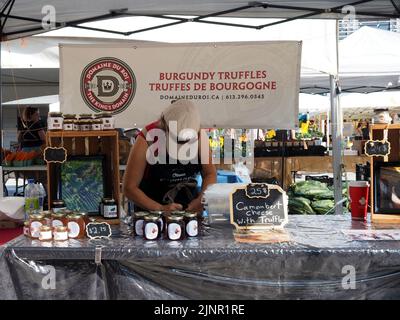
x=28 y=113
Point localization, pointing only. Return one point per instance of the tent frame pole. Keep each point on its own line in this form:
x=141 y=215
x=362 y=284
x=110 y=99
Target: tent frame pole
x=253 y=4
x=336 y=146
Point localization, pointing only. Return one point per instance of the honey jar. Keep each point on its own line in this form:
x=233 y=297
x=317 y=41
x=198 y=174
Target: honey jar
x=85 y=217
x=35 y=222
x=76 y=226
x=59 y=219
x=60 y=233
x=137 y=222
x=47 y=217
x=175 y=229
x=45 y=233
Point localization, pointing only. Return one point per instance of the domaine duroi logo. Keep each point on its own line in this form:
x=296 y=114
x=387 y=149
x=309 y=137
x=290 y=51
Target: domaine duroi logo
x=108 y=84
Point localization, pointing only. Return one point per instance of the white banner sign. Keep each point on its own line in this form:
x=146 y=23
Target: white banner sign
x=235 y=85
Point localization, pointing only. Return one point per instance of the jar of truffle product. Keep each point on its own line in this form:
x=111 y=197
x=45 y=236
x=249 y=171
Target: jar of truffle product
x=60 y=233
x=85 y=217
x=175 y=229
x=108 y=121
x=58 y=205
x=26 y=229
x=137 y=222
x=85 y=125
x=68 y=125
x=59 y=219
x=161 y=219
x=151 y=227
x=35 y=222
x=76 y=226
x=47 y=217
x=97 y=124
x=55 y=121
x=191 y=224
x=76 y=125
x=178 y=213
x=109 y=209
x=45 y=233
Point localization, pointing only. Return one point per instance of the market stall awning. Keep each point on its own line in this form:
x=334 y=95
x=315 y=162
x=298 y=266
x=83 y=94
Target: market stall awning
x=24 y=17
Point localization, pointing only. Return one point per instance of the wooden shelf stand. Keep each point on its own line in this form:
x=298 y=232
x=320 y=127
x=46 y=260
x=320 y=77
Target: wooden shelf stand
x=87 y=143
x=377 y=133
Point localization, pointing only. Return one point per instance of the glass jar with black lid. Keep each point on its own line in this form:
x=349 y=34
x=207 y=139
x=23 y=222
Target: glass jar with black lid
x=109 y=209
x=151 y=227
x=137 y=222
x=161 y=219
x=175 y=228
x=191 y=224
x=58 y=205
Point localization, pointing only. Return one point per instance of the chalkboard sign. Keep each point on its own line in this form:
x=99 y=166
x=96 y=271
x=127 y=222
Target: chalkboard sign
x=52 y=154
x=377 y=148
x=97 y=230
x=258 y=206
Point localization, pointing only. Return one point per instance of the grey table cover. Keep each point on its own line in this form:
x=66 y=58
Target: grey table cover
x=313 y=265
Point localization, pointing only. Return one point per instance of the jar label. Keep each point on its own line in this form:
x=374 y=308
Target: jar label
x=110 y=211
x=68 y=127
x=57 y=223
x=56 y=210
x=192 y=228
x=174 y=231
x=60 y=236
x=139 y=227
x=35 y=229
x=151 y=231
x=45 y=235
x=73 y=229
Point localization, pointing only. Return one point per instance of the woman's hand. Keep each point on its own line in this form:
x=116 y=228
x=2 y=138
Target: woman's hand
x=195 y=205
x=172 y=207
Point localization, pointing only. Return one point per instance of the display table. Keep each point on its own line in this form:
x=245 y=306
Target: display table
x=214 y=266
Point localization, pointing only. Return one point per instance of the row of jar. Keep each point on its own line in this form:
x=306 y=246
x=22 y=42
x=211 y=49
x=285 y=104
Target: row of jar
x=59 y=225
x=85 y=122
x=162 y=225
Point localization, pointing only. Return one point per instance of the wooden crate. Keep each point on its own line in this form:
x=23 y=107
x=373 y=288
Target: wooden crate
x=81 y=143
x=394 y=139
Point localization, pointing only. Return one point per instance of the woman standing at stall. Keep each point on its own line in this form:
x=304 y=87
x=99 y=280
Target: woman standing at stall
x=31 y=130
x=171 y=185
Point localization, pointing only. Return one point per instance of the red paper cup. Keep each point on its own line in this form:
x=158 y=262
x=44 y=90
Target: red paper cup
x=358 y=193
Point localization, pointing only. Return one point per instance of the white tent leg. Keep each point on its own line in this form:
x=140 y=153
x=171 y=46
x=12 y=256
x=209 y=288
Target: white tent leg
x=336 y=146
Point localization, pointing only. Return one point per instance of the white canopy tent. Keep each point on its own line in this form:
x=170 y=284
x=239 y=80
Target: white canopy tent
x=25 y=18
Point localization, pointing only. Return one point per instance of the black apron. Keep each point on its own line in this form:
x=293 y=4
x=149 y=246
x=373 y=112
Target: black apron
x=170 y=183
